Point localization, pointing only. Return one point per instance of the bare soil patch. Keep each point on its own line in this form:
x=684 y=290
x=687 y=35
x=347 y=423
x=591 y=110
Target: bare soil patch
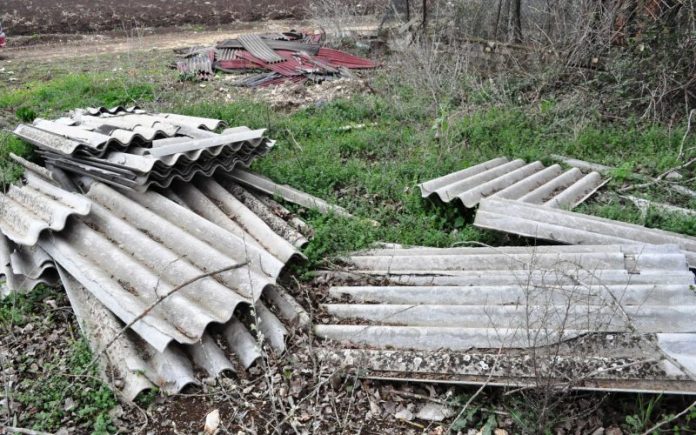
x=28 y=17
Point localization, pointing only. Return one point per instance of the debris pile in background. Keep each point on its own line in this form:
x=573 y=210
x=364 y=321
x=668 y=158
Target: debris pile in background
x=136 y=149
x=169 y=280
x=282 y=57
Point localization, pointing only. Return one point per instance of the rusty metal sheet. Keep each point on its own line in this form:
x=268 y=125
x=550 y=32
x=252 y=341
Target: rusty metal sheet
x=532 y=220
x=28 y=210
x=502 y=178
x=448 y=314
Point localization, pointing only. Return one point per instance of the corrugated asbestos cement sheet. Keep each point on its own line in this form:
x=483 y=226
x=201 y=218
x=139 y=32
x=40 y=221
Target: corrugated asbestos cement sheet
x=138 y=150
x=531 y=220
x=290 y=194
x=27 y=210
x=134 y=247
x=24 y=267
x=502 y=178
x=601 y=316
x=133 y=366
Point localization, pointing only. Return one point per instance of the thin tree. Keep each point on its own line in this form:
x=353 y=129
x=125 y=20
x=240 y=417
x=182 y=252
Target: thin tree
x=516 y=21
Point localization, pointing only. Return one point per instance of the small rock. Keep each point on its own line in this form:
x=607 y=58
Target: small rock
x=500 y=432
x=69 y=404
x=598 y=431
x=404 y=414
x=212 y=422
x=62 y=431
x=434 y=412
x=674 y=175
x=613 y=431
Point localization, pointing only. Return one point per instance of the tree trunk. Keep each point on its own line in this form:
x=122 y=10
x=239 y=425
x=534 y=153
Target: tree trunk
x=497 y=20
x=516 y=21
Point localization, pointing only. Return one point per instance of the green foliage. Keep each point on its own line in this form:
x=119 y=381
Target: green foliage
x=72 y=91
x=15 y=309
x=144 y=400
x=643 y=419
x=26 y=114
x=47 y=396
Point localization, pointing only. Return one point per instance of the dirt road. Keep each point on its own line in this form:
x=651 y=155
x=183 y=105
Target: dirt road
x=88 y=45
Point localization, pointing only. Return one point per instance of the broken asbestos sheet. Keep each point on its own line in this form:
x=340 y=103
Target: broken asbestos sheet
x=531 y=220
x=594 y=317
x=526 y=182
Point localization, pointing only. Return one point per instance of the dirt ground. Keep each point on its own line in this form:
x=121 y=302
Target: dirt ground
x=67 y=46
x=29 y=17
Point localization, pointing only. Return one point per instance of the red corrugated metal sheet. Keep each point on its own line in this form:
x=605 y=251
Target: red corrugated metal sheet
x=236 y=64
x=338 y=58
x=323 y=65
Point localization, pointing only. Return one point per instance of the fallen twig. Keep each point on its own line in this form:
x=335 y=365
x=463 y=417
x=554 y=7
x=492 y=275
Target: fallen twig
x=686 y=134
x=26 y=431
x=670 y=419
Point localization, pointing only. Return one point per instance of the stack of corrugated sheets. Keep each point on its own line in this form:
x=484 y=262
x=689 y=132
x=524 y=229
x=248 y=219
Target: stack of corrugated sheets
x=131 y=148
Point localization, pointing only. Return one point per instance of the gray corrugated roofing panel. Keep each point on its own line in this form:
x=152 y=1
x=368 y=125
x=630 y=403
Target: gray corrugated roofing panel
x=140 y=367
x=134 y=246
x=275 y=45
x=94 y=134
x=141 y=183
x=113 y=110
x=22 y=268
x=218 y=203
x=531 y=220
x=198 y=144
x=514 y=180
x=267 y=186
x=455 y=301
x=259 y=48
x=38 y=205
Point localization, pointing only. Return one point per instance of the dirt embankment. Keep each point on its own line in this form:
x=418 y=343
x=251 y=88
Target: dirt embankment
x=31 y=17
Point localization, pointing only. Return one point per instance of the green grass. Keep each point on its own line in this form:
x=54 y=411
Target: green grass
x=43 y=98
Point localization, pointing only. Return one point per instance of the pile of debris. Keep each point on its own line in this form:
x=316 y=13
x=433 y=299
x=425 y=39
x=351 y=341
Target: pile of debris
x=159 y=278
x=290 y=56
